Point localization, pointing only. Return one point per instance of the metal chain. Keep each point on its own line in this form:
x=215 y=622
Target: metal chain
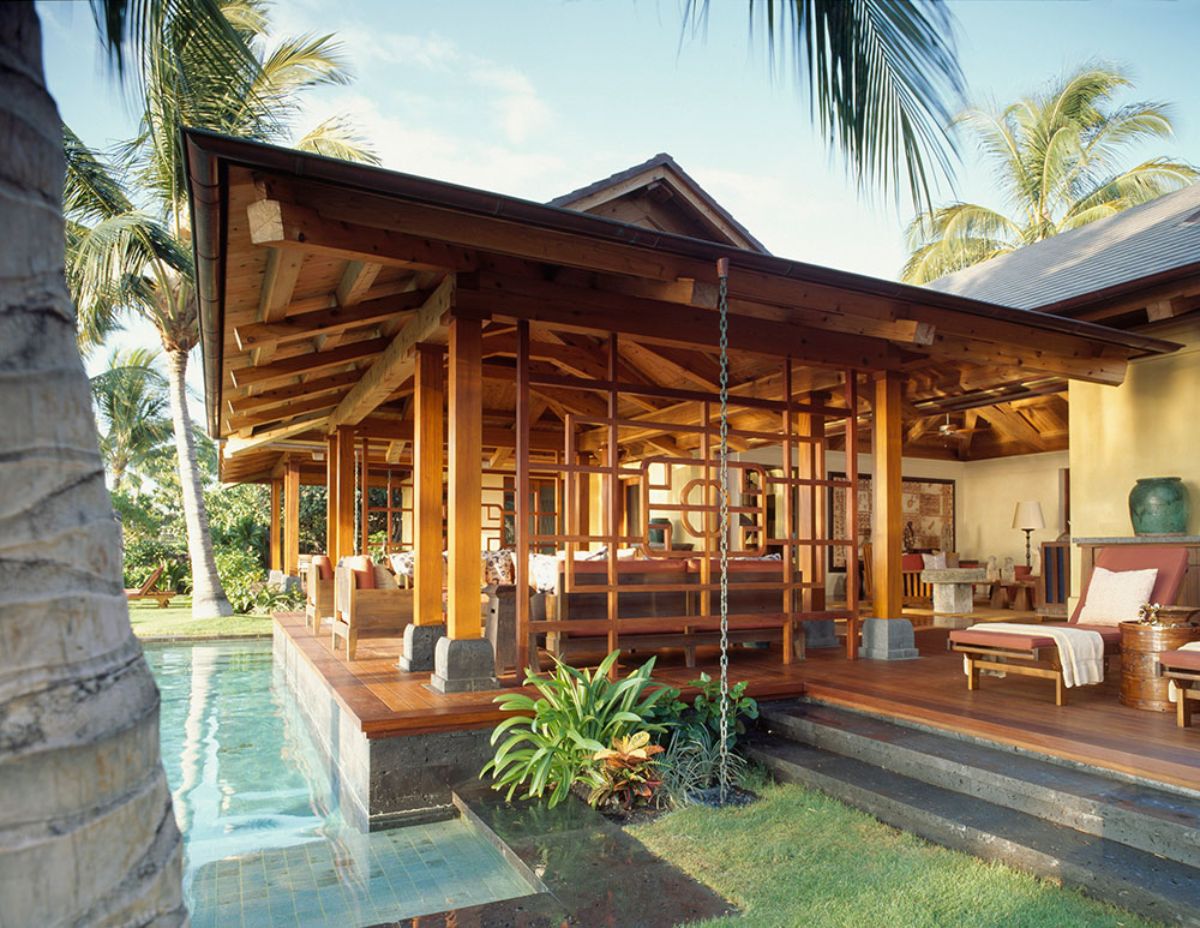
x=723 y=304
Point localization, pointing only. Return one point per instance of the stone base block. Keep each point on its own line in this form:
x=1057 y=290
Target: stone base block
x=888 y=640
x=463 y=666
x=821 y=633
x=953 y=598
x=419 y=642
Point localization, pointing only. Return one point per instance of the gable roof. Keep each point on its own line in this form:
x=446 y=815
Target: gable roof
x=1155 y=240
x=664 y=179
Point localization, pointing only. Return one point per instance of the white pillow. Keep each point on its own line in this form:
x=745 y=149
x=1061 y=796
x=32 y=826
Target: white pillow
x=1116 y=596
x=934 y=561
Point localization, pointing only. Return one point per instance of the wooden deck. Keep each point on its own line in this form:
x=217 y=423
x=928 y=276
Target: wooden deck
x=1093 y=729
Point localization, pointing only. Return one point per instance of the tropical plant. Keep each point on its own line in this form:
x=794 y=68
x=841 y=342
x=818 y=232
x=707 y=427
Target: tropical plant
x=1060 y=161
x=107 y=846
x=882 y=77
x=130 y=395
x=691 y=766
x=627 y=773
x=126 y=256
x=551 y=742
x=706 y=708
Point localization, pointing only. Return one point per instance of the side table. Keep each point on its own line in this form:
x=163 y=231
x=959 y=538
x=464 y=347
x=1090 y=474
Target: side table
x=1141 y=686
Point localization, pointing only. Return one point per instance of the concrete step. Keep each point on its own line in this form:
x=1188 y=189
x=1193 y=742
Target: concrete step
x=1104 y=869
x=1157 y=821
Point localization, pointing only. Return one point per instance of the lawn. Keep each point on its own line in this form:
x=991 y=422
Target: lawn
x=798 y=857
x=149 y=621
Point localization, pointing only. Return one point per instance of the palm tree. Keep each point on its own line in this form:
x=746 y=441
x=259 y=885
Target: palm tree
x=75 y=694
x=882 y=78
x=131 y=401
x=124 y=257
x=1060 y=162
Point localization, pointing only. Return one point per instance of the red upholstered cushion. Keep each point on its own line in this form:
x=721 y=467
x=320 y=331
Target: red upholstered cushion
x=1170 y=561
x=1181 y=660
x=1110 y=633
x=912 y=562
x=364 y=571
x=323 y=565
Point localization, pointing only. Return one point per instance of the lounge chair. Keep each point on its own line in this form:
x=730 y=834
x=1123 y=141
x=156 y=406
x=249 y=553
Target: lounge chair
x=318 y=593
x=1036 y=655
x=361 y=604
x=1182 y=668
x=147 y=590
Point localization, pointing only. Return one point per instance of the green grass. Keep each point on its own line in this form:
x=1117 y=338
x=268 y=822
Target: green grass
x=798 y=857
x=149 y=621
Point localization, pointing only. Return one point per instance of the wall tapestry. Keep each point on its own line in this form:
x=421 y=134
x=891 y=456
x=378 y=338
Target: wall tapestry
x=927 y=504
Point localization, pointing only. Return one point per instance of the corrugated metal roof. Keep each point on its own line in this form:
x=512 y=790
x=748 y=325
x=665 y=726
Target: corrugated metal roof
x=1150 y=239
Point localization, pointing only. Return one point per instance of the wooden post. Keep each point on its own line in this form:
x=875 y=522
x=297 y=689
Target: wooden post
x=463 y=616
x=852 y=621
x=810 y=517
x=888 y=531
x=344 y=512
x=364 y=481
x=291 y=519
x=331 y=544
x=521 y=516
x=276 y=533
x=429 y=382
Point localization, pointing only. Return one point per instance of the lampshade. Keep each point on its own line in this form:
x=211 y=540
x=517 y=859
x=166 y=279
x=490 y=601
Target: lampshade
x=1028 y=515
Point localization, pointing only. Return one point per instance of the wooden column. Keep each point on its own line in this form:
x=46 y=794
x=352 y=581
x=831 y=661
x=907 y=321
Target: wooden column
x=463 y=616
x=291 y=519
x=429 y=382
x=344 y=507
x=810 y=518
x=276 y=532
x=888 y=531
x=522 y=515
x=331 y=450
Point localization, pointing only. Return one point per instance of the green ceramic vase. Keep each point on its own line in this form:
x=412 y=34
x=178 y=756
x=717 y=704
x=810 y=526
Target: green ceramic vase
x=1159 y=506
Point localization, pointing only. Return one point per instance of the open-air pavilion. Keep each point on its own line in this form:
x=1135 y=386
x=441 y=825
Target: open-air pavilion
x=544 y=379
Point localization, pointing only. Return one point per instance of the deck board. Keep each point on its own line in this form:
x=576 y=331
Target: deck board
x=1094 y=728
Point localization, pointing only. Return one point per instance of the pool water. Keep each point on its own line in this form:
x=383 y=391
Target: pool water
x=264 y=842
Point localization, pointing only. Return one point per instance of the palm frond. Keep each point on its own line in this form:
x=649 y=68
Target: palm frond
x=336 y=138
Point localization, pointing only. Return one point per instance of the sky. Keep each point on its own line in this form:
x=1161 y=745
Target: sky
x=534 y=98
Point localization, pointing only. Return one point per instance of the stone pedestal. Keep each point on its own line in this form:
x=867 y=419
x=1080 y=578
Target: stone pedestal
x=419 y=642
x=954 y=588
x=821 y=633
x=465 y=665
x=888 y=640
x=278 y=580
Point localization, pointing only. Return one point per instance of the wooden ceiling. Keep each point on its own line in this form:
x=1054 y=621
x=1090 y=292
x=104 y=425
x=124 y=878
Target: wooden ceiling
x=327 y=289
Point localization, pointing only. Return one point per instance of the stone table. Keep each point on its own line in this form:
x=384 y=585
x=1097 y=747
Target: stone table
x=954 y=588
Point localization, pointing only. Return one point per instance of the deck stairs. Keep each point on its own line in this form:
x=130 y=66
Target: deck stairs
x=1125 y=842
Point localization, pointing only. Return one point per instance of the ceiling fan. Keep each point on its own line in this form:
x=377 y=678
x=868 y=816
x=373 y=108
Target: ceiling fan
x=949 y=431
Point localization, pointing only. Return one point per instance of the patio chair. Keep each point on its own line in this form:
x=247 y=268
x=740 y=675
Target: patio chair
x=147 y=590
x=1036 y=655
x=1182 y=668
x=363 y=604
x=318 y=593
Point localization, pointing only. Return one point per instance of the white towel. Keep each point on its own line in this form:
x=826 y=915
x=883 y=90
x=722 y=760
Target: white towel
x=1080 y=650
x=1172 y=689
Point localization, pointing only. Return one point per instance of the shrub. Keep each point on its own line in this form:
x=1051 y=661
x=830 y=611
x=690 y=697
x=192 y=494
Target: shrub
x=245 y=584
x=552 y=741
x=706 y=709
x=627 y=773
x=692 y=765
x=143 y=555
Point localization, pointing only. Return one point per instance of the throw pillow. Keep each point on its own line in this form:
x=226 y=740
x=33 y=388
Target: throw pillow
x=364 y=571
x=1116 y=596
x=934 y=561
x=384 y=578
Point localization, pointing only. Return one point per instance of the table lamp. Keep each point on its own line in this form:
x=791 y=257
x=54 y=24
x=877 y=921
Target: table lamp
x=1028 y=518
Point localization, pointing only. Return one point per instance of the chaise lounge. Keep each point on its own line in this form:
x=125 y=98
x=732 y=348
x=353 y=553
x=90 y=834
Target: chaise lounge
x=147 y=590
x=1037 y=655
x=1182 y=668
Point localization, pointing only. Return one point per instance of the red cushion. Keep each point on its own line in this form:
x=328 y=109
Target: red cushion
x=1110 y=633
x=912 y=562
x=363 y=569
x=323 y=565
x=1170 y=561
x=1180 y=660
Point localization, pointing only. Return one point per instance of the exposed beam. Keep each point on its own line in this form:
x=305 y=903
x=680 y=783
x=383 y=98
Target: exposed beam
x=288 y=410
x=278 y=284
x=970 y=426
x=326 y=321
x=328 y=384
x=356 y=280
x=308 y=363
x=1012 y=425
x=398 y=360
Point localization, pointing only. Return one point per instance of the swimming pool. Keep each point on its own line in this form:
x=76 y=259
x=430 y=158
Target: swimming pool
x=265 y=844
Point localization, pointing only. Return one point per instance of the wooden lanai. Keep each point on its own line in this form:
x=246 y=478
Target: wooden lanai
x=364 y=325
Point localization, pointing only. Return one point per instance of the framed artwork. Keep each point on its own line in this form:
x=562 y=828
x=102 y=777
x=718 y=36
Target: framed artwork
x=928 y=506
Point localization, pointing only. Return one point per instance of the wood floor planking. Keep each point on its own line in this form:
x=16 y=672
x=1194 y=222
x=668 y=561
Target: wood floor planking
x=1094 y=728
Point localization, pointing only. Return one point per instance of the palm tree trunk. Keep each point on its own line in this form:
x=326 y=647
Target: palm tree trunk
x=87 y=834
x=208 y=598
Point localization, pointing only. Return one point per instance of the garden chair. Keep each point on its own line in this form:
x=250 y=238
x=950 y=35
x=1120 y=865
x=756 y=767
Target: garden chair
x=318 y=593
x=1036 y=655
x=147 y=590
x=366 y=599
